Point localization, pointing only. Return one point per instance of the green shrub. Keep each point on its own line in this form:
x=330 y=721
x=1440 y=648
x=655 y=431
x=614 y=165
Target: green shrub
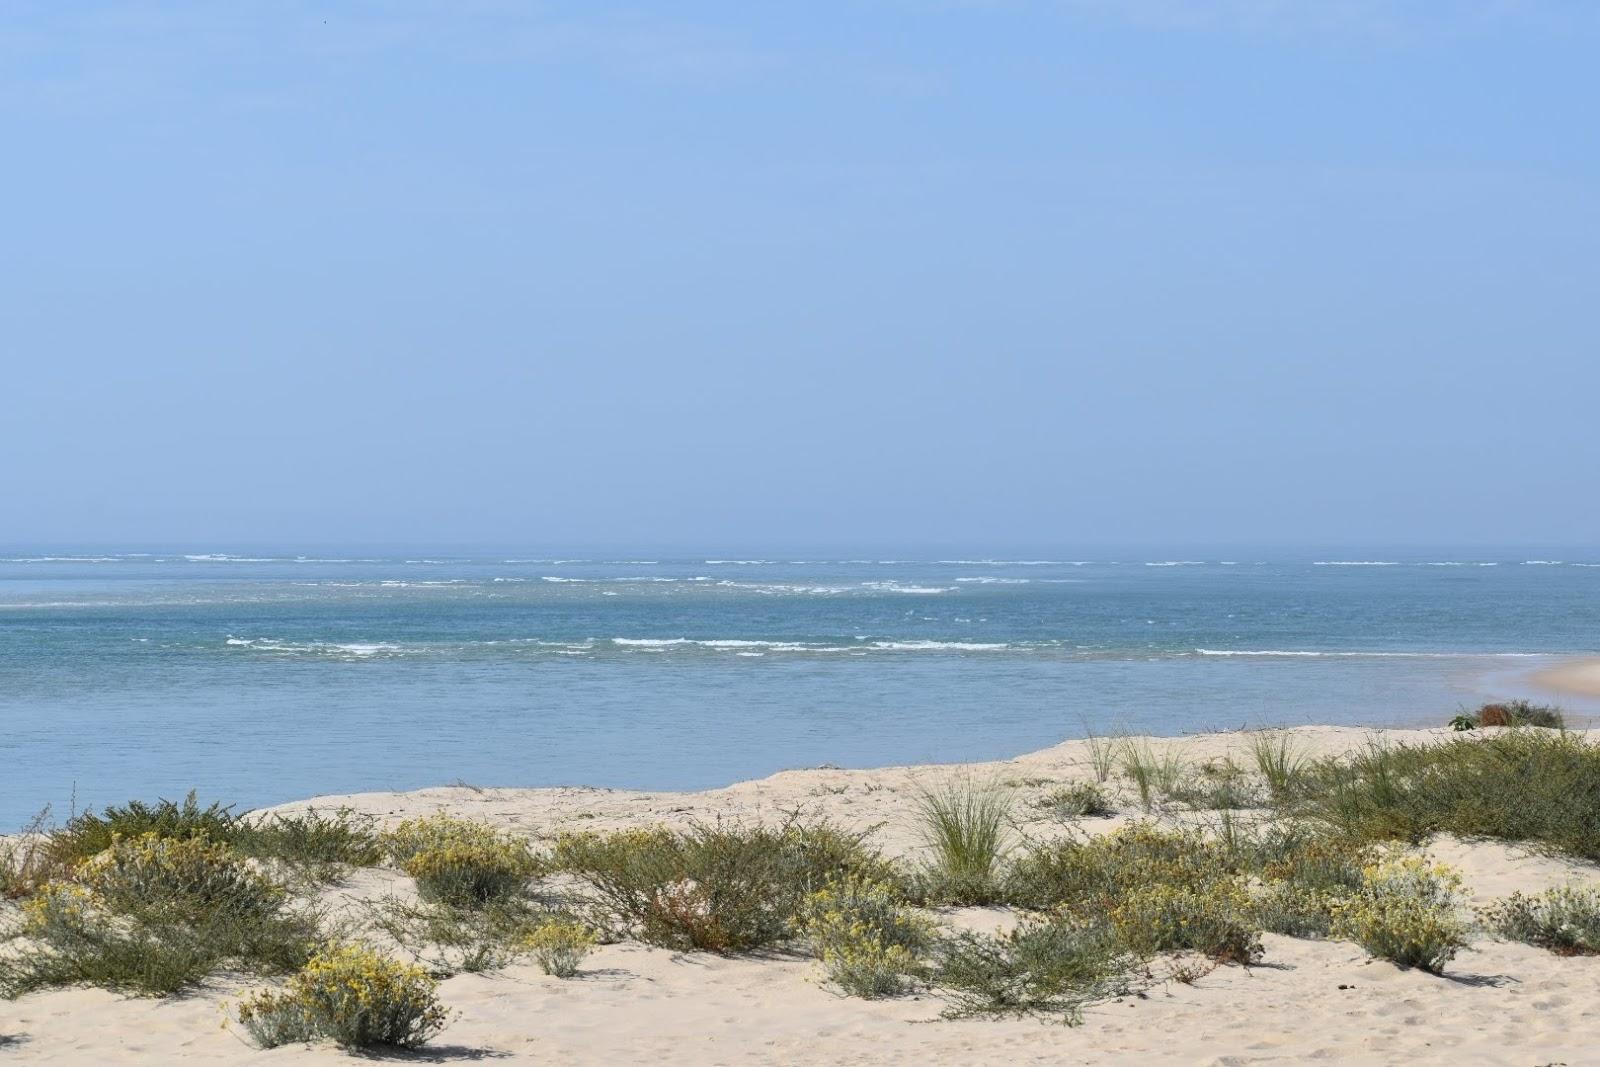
x=965 y=827
x=89 y=834
x=349 y=995
x=153 y=915
x=720 y=888
x=558 y=947
x=1212 y=919
x=1076 y=801
x=473 y=874
x=1565 y=919
x=1406 y=911
x=448 y=939
x=867 y=939
x=1046 y=965
x=1091 y=876
x=27 y=860
x=1519 y=713
x=1294 y=909
x=312 y=843
x=1518 y=785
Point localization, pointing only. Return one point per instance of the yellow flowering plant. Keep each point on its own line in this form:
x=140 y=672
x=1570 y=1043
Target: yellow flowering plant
x=1406 y=910
x=350 y=995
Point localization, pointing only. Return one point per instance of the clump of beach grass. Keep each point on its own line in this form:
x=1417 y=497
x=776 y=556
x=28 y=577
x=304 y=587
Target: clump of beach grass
x=1564 y=919
x=314 y=845
x=966 y=829
x=1279 y=760
x=90 y=833
x=1152 y=772
x=1519 y=713
x=352 y=996
x=27 y=860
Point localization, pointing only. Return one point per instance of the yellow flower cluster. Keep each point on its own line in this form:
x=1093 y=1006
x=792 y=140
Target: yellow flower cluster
x=558 y=947
x=436 y=831
x=866 y=939
x=1407 y=910
x=352 y=995
x=1164 y=917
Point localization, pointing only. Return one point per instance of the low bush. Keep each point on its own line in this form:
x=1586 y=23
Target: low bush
x=153 y=915
x=1093 y=875
x=472 y=874
x=1051 y=964
x=1213 y=920
x=1520 y=713
x=720 y=887
x=558 y=947
x=27 y=860
x=1076 y=801
x=314 y=844
x=1534 y=786
x=89 y=834
x=965 y=827
x=869 y=942
x=430 y=833
x=447 y=939
x=1406 y=910
x=1565 y=919
x=1294 y=909
x=352 y=996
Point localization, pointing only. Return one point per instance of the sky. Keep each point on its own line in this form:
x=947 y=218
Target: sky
x=871 y=273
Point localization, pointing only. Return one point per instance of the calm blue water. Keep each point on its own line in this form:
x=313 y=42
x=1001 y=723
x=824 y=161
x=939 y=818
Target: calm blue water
x=261 y=679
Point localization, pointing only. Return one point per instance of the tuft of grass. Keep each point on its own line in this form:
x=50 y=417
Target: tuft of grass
x=1046 y=965
x=1278 y=759
x=1565 y=919
x=1406 y=911
x=1076 y=801
x=966 y=828
x=1153 y=772
x=352 y=996
x=449 y=940
x=1102 y=754
x=719 y=888
x=1091 y=876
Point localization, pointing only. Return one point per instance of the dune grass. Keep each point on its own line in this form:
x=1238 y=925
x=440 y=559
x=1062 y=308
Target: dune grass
x=966 y=829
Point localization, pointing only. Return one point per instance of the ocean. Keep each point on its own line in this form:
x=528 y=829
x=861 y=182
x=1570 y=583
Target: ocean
x=262 y=677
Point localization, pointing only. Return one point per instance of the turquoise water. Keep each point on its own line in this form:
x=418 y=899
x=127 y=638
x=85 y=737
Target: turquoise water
x=263 y=677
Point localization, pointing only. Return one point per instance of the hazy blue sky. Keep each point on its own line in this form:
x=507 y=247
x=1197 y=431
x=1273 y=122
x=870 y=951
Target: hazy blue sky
x=893 y=272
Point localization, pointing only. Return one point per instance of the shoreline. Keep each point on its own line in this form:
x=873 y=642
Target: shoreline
x=632 y=1003
x=1578 y=677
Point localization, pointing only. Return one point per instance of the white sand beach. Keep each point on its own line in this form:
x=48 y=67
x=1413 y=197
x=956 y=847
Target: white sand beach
x=1307 y=1001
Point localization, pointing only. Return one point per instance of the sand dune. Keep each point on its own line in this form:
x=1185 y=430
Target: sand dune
x=1499 y=1003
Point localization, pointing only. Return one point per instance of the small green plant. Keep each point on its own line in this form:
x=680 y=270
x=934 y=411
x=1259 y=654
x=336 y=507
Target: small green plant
x=558 y=947
x=1076 y=801
x=1278 y=760
x=27 y=860
x=448 y=940
x=1565 y=919
x=869 y=942
x=1093 y=875
x=1051 y=964
x=352 y=996
x=1213 y=920
x=965 y=827
x=1294 y=909
x=1462 y=723
x=1406 y=911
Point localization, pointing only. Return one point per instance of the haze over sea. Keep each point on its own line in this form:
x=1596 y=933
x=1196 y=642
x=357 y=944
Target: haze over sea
x=259 y=677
